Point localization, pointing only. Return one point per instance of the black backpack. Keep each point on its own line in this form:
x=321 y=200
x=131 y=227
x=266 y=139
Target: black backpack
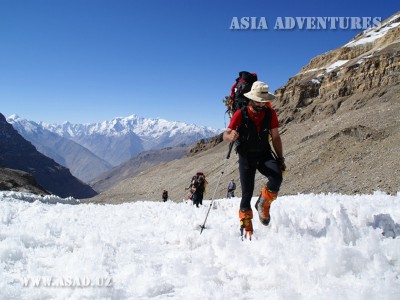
x=242 y=85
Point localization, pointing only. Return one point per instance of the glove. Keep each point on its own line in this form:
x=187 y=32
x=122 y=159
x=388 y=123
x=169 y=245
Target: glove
x=282 y=165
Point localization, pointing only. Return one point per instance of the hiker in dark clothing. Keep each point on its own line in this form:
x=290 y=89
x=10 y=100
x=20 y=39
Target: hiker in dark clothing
x=165 y=195
x=198 y=191
x=251 y=128
x=231 y=189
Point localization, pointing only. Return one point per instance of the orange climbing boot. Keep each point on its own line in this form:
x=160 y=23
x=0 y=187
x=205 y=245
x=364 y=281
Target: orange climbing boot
x=246 y=226
x=263 y=205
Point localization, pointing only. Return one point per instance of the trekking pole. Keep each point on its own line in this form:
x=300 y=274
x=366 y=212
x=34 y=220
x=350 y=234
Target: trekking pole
x=215 y=191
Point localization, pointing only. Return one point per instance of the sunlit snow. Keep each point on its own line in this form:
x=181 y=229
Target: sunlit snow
x=335 y=65
x=317 y=247
x=371 y=35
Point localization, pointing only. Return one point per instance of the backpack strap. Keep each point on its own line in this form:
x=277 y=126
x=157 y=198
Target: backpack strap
x=247 y=127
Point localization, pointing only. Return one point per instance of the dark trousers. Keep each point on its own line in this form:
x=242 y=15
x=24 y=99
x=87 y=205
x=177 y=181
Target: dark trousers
x=267 y=166
x=197 y=199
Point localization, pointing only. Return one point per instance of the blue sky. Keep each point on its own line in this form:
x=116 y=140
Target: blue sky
x=88 y=61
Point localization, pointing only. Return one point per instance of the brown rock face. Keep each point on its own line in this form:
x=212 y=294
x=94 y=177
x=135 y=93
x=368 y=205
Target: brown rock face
x=204 y=145
x=322 y=86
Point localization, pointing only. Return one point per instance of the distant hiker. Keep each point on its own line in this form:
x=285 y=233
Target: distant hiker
x=250 y=127
x=231 y=189
x=199 y=186
x=165 y=195
x=205 y=182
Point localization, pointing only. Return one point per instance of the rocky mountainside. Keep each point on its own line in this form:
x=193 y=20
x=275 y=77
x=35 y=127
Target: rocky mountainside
x=340 y=128
x=17 y=153
x=19 y=181
x=367 y=62
x=205 y=144
x=89 y=150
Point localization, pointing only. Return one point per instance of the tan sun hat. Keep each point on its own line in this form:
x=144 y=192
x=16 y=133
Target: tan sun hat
x=259 y=92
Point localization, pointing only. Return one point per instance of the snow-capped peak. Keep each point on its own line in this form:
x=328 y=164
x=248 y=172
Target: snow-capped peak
x=22 y=124
x=117 y=140
x=13 y=117
x=143 y=127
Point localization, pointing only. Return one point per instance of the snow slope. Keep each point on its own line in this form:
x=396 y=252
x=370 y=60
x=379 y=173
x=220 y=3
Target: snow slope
x=317 y=247
x=375 y=33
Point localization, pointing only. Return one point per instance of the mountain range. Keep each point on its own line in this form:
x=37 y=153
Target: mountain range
x=18 y=154
x=90 y=150
x=340 y=129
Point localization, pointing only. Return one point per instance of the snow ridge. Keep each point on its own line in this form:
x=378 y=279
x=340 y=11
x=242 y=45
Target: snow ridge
x=143 y=127
x=372 y=34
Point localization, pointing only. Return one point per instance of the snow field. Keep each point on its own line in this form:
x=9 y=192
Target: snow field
x=329 y=246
